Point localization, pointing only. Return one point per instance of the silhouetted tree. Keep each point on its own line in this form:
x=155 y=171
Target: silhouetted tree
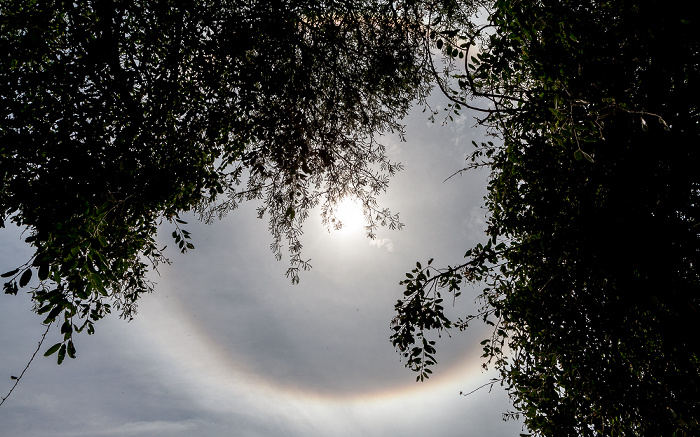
x=590 y=269
x=119 y=115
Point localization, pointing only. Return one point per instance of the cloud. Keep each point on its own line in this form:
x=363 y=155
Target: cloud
x=383 y=242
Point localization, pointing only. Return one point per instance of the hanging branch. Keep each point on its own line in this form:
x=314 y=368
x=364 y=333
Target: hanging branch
x=17 y=379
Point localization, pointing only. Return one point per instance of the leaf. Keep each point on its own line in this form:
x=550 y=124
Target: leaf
x=103 y=261
x=71 y=349
x=44 y=309
x=645 y=127
x=66 y=327
x=578 y=155
x=43 y=271
x=26 y=276
x=439 y=44
x=52 y=350
x=102 y=240
x=10 y=273
x=53 y=314
x=61 y=354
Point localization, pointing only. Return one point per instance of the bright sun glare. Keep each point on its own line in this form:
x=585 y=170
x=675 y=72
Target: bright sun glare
x=349 y=212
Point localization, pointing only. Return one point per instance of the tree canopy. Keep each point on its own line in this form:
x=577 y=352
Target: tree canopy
x=120 y=115
x=589 y=268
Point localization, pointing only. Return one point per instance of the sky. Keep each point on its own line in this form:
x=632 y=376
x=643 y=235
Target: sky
x=227 y=346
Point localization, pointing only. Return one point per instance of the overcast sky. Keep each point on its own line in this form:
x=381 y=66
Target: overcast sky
x=225 y=346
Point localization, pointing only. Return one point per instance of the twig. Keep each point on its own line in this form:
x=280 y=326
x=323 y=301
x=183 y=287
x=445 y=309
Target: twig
x=17 y=379
x=493 y=381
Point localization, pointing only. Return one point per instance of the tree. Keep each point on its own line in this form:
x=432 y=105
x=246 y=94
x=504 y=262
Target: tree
x=118 y=116
x=590 y=267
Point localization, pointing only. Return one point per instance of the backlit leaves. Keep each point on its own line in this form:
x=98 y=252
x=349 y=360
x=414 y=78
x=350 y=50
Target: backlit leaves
x=117 y=120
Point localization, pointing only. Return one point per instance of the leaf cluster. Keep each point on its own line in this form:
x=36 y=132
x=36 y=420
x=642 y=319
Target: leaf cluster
x=117 y=117
x=593 y=200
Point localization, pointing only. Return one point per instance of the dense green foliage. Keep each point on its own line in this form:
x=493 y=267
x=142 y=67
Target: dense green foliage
x=119 y=115
x=590 y=270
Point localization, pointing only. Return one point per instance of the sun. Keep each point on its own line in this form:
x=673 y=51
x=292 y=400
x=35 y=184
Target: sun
x=349 y=213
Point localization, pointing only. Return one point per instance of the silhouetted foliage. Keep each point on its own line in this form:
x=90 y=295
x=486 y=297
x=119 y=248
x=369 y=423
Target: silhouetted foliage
x=590 y=264
x=120 y=115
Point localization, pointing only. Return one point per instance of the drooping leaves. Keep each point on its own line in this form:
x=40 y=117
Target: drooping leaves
x=117 y=117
